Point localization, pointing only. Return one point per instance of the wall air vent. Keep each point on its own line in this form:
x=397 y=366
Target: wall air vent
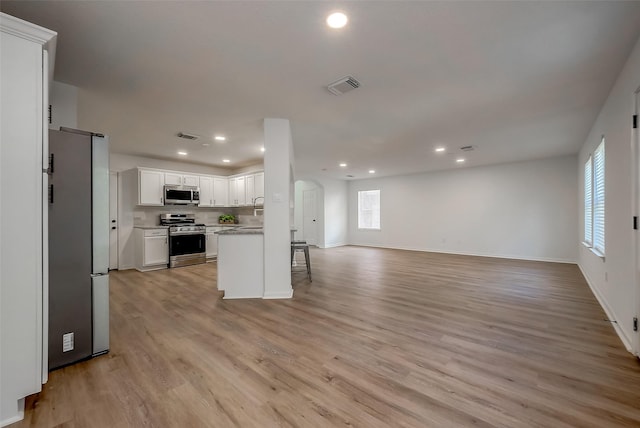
x=343 y=85
x=468 y=148
x=188 y=136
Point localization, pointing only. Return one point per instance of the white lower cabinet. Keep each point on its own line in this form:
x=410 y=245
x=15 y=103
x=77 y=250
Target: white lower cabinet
x=152 y=248
x=212 y=241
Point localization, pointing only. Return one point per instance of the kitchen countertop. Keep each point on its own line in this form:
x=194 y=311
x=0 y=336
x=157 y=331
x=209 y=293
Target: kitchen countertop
x=151 y=227
x=240 y=230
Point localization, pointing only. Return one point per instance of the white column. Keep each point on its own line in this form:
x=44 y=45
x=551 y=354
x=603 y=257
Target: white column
x=278 y=161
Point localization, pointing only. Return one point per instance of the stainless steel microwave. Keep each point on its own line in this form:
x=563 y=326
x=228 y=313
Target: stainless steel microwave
x=181 y=195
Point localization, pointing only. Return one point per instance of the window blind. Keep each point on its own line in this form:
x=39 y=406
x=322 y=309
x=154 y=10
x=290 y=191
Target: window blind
x=588 y=201
x=369 y=209
x=598 y=198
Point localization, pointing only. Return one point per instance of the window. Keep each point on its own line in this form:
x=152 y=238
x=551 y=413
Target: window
x=369 y=209
x=594 y=200
x=588 y=202
x=598 y=198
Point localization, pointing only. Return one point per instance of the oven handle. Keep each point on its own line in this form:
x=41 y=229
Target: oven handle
x=185 y=233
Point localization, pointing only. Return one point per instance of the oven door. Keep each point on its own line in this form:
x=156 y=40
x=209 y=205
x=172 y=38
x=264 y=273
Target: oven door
x=188 y=243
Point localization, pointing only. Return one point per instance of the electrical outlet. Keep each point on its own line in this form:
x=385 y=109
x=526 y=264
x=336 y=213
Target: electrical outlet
x=67 y=342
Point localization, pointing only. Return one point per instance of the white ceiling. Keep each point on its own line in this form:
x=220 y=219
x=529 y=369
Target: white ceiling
x=518 y=80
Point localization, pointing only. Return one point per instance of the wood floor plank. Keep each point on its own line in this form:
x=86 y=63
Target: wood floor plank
x=381 y=338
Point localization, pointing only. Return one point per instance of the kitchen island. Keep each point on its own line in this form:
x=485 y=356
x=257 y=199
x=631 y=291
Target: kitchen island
x=241 y=263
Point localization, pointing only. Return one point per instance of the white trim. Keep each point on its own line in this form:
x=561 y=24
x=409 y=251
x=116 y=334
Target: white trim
x=286 y=295
x=635 y=211
x=32 y=32
x=608 y=311
x=240 y=297
x=16 y=418
x=26 y=30
x=12 y=420
x=463 y=253
x=339 y=244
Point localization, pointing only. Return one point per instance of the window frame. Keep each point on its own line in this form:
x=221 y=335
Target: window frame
x=360 y=209
x=588 y=202
x=599 y=198
x=595 y=200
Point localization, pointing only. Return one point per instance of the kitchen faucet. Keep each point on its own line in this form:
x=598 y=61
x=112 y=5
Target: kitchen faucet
x=255 y=210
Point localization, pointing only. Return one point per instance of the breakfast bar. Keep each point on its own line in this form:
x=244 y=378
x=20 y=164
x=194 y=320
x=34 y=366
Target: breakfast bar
x=241 y=263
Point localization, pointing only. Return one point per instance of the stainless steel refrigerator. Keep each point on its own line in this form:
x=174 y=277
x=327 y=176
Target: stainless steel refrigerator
x=78 y=246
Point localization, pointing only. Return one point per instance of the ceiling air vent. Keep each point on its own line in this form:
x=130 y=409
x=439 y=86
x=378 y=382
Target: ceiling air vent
x=468 y=148
x=343 y=85
x=187 y=136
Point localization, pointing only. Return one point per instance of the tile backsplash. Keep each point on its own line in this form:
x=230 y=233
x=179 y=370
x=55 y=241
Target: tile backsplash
x=150 y=216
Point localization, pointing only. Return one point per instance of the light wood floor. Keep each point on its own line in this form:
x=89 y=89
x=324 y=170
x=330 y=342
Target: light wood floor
x=382 y=338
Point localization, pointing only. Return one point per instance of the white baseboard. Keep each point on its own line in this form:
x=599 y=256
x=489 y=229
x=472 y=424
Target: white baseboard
x=608 y=311
x=279 y=295
x=340 y=244
x=17 y=417
x=12 y=420
x=464 y=253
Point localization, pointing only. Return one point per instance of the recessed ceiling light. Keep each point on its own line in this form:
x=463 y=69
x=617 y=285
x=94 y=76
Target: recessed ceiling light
x=372 y=171
x=460 y=160
x=343 y=164
x=262 y=149
x=182 y=153
x=439 y=149
x=220 y=138
x=226 y=160
x=205 y=144
x=337 y=20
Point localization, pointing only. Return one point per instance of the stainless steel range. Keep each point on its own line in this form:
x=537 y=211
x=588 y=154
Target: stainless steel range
x=186 y=239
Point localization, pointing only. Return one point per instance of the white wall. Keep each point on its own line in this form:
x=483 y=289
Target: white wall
x=64 y=106
x=612 y=279
x=524 y=210
x=332 y=210
x=336 y=196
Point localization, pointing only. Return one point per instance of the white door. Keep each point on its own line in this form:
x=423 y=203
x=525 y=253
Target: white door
x=113 y=220
x=309 y=217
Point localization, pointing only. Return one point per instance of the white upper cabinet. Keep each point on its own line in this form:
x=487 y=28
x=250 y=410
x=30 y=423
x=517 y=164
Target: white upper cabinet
x=237 y=191
x=215 y=191
x=206 y=191
x=151 y=187
x=259 y=188
x=177 y=179
x=190 y=180
x=172 y=178
x=220 y=192
x=255 y=189
x=250 y=188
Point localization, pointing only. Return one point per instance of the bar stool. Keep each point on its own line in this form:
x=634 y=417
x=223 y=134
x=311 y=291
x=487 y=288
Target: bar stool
x=304 y=247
